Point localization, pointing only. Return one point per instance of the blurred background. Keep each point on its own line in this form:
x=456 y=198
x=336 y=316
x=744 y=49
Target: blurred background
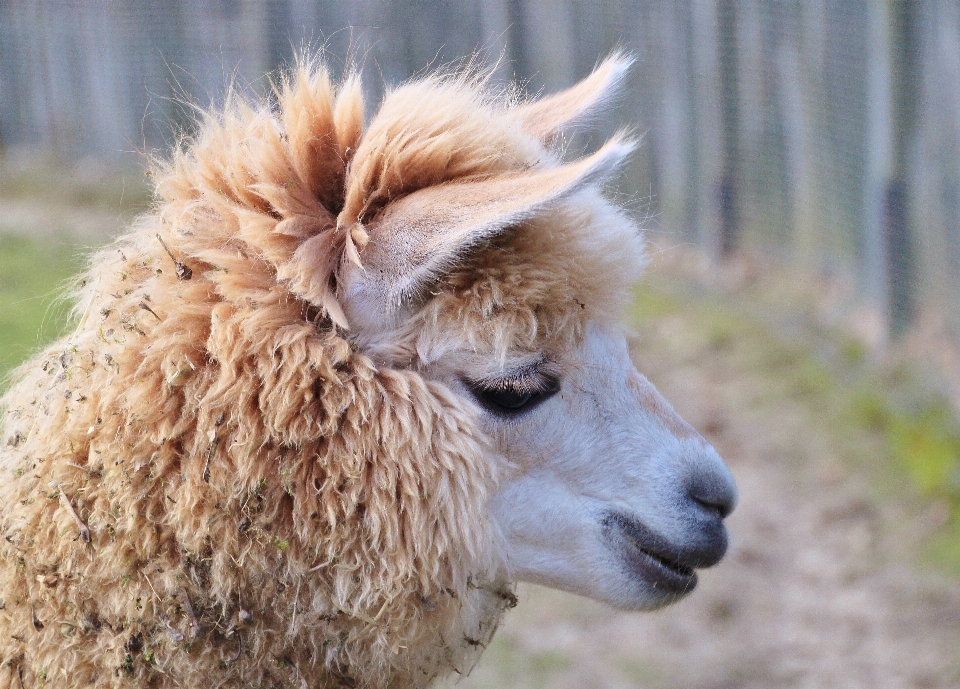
x=799 y=183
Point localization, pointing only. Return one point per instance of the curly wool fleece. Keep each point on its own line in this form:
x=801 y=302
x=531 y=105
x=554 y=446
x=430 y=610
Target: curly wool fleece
x=207 y=483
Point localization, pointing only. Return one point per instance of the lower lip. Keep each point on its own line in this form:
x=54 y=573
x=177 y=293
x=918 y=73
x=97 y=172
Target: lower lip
x=661 y=577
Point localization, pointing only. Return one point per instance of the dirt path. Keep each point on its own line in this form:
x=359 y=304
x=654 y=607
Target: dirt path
x=819 y=588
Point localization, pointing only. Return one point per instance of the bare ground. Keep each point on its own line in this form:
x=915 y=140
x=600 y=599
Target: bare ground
x=821 y=586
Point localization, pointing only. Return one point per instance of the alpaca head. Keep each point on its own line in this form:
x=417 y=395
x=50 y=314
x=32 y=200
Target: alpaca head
x=487 y=264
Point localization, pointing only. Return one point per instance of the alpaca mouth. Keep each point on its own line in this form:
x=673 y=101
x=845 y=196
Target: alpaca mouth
x=664 y=575
x=650 y=556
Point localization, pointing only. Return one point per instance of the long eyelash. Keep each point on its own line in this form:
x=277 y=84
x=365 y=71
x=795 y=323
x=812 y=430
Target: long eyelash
x=534 y=384
x=539 y=376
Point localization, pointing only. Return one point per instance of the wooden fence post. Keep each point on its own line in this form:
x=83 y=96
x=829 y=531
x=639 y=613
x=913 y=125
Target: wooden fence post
x=898 y=237
x=730 y=188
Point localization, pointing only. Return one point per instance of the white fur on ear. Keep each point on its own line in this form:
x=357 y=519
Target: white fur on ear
x=420 y=237
x=563 y=112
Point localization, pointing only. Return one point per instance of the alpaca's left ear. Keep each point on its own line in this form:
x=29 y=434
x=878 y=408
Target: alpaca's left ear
x=561 y=112
x=419 y=238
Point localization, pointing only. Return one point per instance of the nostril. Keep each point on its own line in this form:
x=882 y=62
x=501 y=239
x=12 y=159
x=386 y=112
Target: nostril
x=720 y=509
x=714 y=495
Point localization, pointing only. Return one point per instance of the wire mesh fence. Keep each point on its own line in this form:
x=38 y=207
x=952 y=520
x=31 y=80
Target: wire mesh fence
x=823 y=132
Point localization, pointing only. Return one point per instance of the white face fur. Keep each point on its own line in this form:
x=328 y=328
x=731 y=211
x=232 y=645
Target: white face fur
x=611 y=494
x=608 y=493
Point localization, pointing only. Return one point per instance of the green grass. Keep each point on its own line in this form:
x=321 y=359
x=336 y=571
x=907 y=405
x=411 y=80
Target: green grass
x=519 y=666
x=34 y=272
x=924 y=444
x=33 y=276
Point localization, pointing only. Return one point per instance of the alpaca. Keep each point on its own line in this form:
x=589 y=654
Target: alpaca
x=336 y=393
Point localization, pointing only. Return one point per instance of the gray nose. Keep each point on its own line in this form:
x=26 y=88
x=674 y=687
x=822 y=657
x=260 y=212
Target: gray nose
x=711 y=487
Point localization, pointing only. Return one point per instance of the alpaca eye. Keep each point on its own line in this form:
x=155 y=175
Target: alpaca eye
x=513 y=400
x=513 y=397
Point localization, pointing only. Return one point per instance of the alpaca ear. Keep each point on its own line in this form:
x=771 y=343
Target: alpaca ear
x=553 y=115
x=422 y=236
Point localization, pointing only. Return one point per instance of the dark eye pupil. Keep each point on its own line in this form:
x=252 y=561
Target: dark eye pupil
x=508 y=399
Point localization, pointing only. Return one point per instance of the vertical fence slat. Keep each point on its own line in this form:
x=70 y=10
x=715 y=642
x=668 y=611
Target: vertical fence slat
x=729 y=192
x=898 y=191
